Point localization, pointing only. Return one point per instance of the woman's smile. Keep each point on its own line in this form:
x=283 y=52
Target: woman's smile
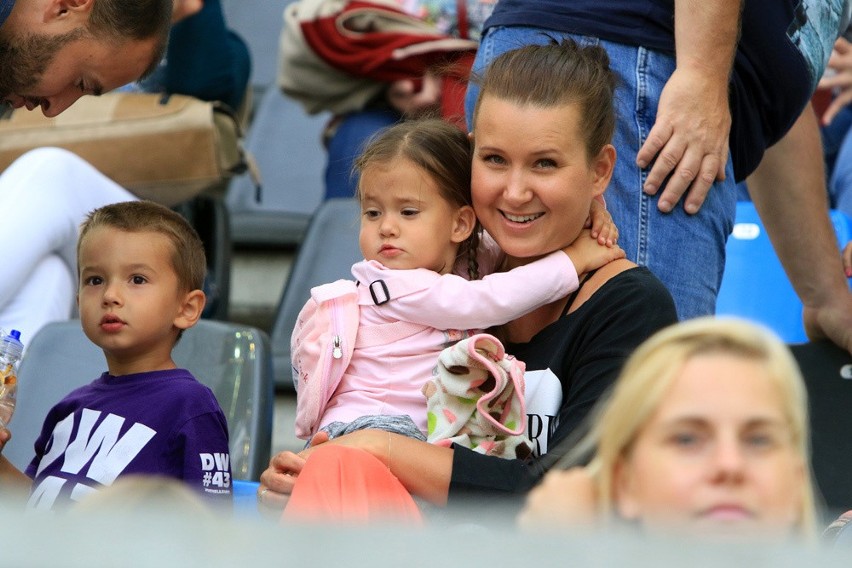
x=521 y=218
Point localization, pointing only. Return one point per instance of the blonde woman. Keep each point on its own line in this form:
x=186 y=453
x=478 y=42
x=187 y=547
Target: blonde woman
x=706 y=432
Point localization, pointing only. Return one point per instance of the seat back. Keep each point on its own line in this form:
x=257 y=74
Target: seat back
x=755 y=285
x=827 y=370
x=327 y=253
x=233 y=360
x=209 y=216
x=287 y=147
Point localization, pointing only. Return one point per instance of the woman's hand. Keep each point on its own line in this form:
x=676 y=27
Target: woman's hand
x=416 y=98
x=601 y=224
x=278 y=480
x=185 y=8
x=564 y=498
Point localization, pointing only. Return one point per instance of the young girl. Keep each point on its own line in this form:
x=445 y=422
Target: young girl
x=706 y=433
x=419 y=237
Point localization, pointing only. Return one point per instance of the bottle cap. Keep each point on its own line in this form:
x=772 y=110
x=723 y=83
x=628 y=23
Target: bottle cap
x=11 y=344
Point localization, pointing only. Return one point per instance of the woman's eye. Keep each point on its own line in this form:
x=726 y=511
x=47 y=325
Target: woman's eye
x=546 y=163
x=685 y=439
x=760 y=440
x=493 y=159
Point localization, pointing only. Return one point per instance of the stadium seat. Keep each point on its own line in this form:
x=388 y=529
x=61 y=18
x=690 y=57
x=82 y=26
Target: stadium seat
x=755 y=285
x=827 y=370
x=233 y=360
x=327 y=253
x=245 y=499
x=286 y=145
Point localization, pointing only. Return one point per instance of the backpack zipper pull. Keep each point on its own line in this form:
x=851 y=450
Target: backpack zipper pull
x=336 y=351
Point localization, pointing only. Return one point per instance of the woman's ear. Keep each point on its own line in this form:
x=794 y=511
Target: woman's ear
x=623 y=491
x=602 y=168
x=190 y=309
x=464 y=223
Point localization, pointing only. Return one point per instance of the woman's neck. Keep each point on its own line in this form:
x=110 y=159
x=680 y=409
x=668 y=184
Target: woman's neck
x=522 y=329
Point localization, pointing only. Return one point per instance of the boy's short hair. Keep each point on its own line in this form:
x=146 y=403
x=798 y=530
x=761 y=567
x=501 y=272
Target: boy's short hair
x=188 y=260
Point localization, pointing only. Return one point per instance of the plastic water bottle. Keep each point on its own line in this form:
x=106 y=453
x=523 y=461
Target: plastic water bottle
x=11 y=350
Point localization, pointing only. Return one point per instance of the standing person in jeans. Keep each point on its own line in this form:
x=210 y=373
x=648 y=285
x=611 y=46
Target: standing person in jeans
x=693 y=81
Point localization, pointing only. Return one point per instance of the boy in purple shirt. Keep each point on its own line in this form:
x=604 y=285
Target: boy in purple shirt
x=141 y=268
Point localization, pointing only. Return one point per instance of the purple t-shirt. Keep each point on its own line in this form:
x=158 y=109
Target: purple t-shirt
x=162 y=422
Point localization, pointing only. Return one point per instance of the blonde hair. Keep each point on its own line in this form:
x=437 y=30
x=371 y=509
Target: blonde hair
x=653 y=367
x=143 y=493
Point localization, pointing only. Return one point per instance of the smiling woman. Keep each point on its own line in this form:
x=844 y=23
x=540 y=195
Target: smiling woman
x=52 y=53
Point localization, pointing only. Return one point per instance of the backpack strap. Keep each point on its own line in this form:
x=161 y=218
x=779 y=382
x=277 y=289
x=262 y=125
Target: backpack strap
x=321 y=347
x=381 y=291
x=332 y=290
x=387 y=333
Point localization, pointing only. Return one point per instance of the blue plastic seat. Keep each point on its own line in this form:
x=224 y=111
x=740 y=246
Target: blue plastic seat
x=245 y=499
x=755 y=285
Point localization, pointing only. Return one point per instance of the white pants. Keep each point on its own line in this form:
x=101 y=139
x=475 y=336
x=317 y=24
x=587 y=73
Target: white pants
x=44 y=197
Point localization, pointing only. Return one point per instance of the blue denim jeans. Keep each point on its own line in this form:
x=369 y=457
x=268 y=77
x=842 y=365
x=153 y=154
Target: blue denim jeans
x=347 y=143
x=686 y=252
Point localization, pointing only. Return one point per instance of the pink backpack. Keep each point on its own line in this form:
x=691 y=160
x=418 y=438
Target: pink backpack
x=321 y=347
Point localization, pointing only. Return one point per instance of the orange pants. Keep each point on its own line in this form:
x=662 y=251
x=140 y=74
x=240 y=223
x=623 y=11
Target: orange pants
x=349 y=485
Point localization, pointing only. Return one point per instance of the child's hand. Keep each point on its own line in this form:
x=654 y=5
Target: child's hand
x=588 y=253
x=5 y=436
x=847 y=259
x=601 y=224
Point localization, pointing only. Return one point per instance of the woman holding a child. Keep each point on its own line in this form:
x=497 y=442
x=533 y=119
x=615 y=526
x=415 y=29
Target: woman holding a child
x=541 y=152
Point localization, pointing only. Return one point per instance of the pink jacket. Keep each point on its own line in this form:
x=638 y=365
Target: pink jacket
x=385 y=376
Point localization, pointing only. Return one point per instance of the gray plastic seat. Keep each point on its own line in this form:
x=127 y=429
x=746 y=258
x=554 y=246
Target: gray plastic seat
x=287 y=147
x=327 y=253
x=233 y=360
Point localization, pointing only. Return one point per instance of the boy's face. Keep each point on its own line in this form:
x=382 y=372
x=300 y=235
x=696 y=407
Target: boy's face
x=129 y=299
